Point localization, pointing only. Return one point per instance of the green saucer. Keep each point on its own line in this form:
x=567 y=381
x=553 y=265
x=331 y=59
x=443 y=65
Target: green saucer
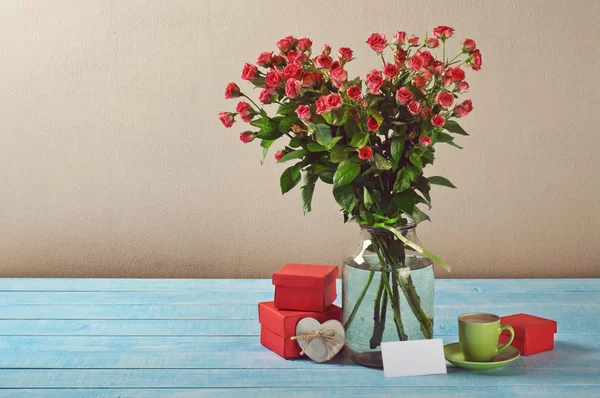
x=454 y=355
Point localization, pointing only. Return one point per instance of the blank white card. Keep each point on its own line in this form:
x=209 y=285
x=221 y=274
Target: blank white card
x=413 y=358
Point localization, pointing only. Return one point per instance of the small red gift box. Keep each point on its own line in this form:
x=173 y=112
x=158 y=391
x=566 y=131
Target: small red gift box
x=305 y=287
x=278 y=326
x=532 y=334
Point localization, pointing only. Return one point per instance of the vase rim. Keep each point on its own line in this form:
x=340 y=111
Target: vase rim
x=411 y=224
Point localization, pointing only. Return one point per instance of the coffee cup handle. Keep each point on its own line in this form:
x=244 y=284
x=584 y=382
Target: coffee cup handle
x=510 y=340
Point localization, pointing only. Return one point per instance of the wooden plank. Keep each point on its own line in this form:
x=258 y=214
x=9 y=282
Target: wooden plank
x=277 y=378
x=245 y=298
x=239 y=352
x=249 y=311
x=375 y=391
x=139 y=285
x=443 y=326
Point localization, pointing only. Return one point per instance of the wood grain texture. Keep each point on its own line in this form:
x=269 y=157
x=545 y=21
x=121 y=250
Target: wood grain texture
x=189 y=338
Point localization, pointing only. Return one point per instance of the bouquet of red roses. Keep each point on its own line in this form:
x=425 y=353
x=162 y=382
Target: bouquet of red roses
x=369 y=138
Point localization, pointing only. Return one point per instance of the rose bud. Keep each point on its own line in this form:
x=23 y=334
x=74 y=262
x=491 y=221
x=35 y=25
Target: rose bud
x=413 y=41
x=438 y=120
x=334 y=101
x=468 y=104
x=425 y=112
x=374 y=81
x=424 y=141
x=307 y=79
x=443 y=32
x=245 y=110
x=365 y=153
x=338 y=74
x=303 y=112
x=469 y=46
x=460 y=111
x=458 y=74
x=326 y=49
x=433 y=42
x=265 y=96
x=293 y=71
x=278 y=60
x=227 y=118
x=278 y=155
x=400 y=38
x=321 y=105
x=377 y=42
x=304 y=44
x=292 y=88
x=323 y=61
x=345 y=54
x=232 y=91
x=444 y=98
x=414 y=107
x=418 y=81
x=462 y=87
x=285 y=44
x=354 y=92
x=249 y=72
x=247 y=136
x=265 y=59
x=297 y=130
x=372 y=124
x=273 y=79
x=475 y=60
x=415 y=62
x=404 y=95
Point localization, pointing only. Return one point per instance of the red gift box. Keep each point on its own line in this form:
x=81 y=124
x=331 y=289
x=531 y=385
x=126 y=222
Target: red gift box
x=305 y=287
x=278 y=326
x=532 y=334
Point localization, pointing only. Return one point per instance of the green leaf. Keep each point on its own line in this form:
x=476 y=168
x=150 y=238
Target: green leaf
x=285 y=109
x=345 y=174
x=266 y=144
x=338 y=154
x=415 y=158
x=323 y=134
x=454 y=127
x=350 y=127
x=382 y=163
x=295 y=142
x=360 y=139
x=285 y=124
x=368 y=200
x=397 y=147
x=334 y=141
x=427 y=157
x=336 y=117
x=419 y=216
x=307 y=190
x=437 y=180
x=314 y=147
x=345 y=197
x=327 y=176
x=293 y=155
x=376 y=115
x=289 y=178
x=406 y=175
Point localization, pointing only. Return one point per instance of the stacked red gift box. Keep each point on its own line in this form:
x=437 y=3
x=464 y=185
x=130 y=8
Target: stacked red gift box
x=301 y=291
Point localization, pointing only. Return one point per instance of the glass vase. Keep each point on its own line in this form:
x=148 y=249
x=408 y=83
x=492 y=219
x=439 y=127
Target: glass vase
x=387 y=293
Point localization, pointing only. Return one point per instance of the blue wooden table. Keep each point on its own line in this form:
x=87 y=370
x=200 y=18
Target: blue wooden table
x=188 y=338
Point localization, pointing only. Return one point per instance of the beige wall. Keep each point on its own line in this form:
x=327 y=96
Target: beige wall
x=113 y=162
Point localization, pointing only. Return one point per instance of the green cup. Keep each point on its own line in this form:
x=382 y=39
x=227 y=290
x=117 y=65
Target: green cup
x=478 y=334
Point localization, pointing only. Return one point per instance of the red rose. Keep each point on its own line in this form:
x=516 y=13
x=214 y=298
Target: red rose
x=245 y=110
x=469 y=45
x=273 y=79
x=462 y=87
x=374 y=81
x=424 y=141
x=425 y=112
x=334 y=101
x=292 y=88
x=354 y=92
x=404 y=95
x=433 y=42
x=447 y=78
x=413 y=41
x=372 y=124
x=458 y=74
x=415 y=62
x=444 y=98
x=279 y=61
x=400 y=38
x=265 y=96
x=326 y=49
x=338 y=74
x=249 y=72
x=307 y=79
x=304 y=44
x=247 y=136
x=365 y=153
x=438 y=120
x=285 y=44
x=459 y=111
x=437 y=67
x=475 y=60
x=303 y=112
x=278 y=155
x=323 y=61
x=227 y=119
x=468 y=104
x=443 y=32
x=297 y=130
x=317 y=77
x=232 y=91
x=390 y=70
x=322 y=106
x=414 y=107
x=377 y=42
x=418 y=81
x=265 y=59
x=345 y=54
x=427 y=58
x=293 y=71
